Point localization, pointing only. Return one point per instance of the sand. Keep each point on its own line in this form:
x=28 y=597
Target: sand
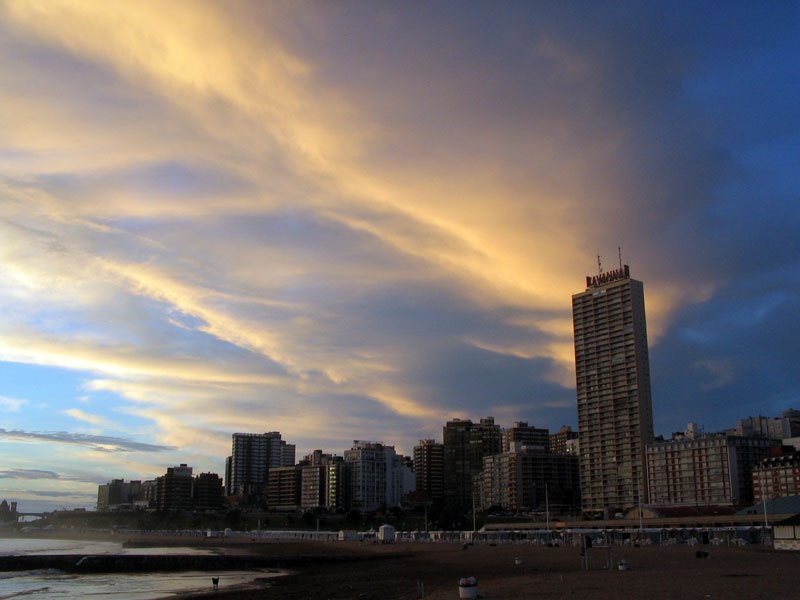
x=665 y=572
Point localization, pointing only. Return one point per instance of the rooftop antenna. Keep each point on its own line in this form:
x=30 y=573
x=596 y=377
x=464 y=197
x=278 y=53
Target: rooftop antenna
x=619 y=251
x=599 y=265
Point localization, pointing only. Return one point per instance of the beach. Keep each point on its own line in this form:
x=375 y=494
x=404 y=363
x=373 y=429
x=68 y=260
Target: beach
x=373 y=571
x=404 y=571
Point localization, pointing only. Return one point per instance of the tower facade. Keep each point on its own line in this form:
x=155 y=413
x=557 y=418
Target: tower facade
x=615 y=415
x=252 y=455
x=524 y=435
x=370 y=467
x=465 y=445
x=429 y=470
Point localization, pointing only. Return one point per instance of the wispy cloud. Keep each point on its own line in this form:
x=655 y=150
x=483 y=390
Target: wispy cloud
x=95 y=442
x=81 y=415
x=11 y=404
x=58 y=494
x=69 y=478
x=721 y=373
x=28 y=474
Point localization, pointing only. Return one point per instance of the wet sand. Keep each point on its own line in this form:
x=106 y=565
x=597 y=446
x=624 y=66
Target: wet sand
x=655 y=572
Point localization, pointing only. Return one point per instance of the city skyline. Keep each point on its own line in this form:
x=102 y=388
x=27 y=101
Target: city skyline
x=359 y=221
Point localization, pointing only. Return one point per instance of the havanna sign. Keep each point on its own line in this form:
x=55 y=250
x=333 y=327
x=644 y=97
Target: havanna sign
x=604 y=278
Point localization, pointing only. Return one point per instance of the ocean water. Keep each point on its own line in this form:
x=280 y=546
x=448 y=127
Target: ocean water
x=18 y=546
x=55 y=584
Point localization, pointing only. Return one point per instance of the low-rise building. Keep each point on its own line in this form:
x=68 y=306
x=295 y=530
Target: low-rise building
x=528 y=479
x=521 y=434
x=777 y=477
x=564 y=441
x=119 y=494
x=787 y=425
x=786 y=534
x=283 y=488
x=708 y=470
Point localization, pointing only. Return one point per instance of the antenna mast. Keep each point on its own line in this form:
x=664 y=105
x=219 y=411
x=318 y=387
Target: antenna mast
x=619 y=251
x=599 y=265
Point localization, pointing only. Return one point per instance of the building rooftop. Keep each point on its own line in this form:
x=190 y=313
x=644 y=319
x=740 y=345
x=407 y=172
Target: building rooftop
x=785 y=505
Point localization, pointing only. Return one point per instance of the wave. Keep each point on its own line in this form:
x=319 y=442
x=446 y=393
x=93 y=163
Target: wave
x=53 y=583
x=22 y=546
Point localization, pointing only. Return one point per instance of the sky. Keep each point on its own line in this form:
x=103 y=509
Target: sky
x=357 y=220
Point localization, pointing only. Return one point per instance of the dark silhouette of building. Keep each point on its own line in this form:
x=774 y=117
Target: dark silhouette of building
x=528 y=479
x=208 y=493
x=465 y=445
x=174 y=489
x=429 y=471
x=149 y=493
x=283 y=488
x=8 y=511
x=119 y=494
x=523 y=435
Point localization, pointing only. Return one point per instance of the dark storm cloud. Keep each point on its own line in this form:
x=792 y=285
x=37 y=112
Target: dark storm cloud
x=478 y=380
x=731 y=357
x=465 y=364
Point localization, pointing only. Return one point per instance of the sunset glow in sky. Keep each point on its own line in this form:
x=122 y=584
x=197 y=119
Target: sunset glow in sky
x=356 y=220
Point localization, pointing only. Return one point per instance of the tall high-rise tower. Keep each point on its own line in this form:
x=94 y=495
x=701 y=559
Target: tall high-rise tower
x=615 y=415
x=465 y=445
x=429 y=470
x=252 y=455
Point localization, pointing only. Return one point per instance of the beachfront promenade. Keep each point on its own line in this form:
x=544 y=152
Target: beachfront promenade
x=715 y=536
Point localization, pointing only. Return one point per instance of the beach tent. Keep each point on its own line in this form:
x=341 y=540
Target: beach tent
x=386 y=533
